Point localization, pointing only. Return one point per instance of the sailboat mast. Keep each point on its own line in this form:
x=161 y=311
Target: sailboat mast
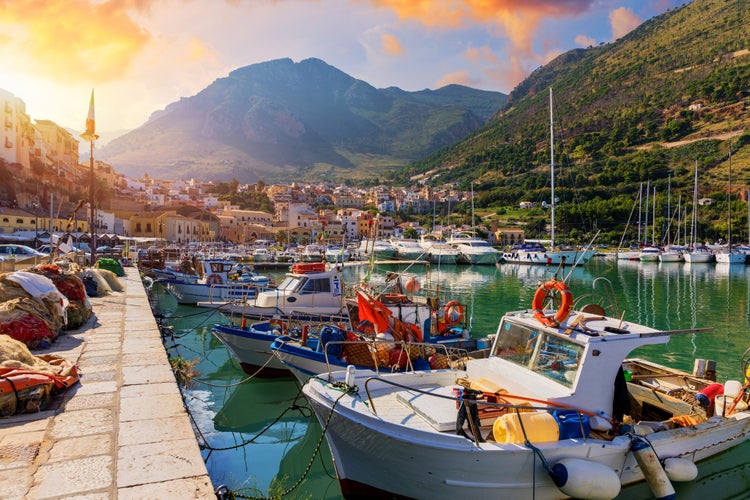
x=729 y=201
x=552 y=169
x=694 y=224
x=653 y=221
x=640 y=206
x=645 y=227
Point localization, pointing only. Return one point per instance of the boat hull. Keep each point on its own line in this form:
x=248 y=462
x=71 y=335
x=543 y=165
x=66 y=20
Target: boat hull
x=192 y=293
x=251 y=347
x=423 y=462
x=568 y=257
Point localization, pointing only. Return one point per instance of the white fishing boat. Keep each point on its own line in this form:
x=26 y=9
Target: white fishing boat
x=555 y=410
x=474 y=250
x=310 y=291
x=337 y=253
x=223 y=280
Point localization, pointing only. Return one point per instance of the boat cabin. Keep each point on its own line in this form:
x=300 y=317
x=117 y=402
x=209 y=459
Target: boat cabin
x=305 y=288
x=575 y=364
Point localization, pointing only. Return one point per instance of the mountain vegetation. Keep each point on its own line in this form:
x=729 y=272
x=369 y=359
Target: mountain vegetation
x=281 y=120
x=645 y=108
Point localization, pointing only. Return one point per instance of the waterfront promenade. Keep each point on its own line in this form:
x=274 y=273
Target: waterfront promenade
x=121 y=432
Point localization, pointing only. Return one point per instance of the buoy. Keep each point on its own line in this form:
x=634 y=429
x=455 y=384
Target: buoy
x=579 y=478
x=652 y=470
x=412 y=285
x=706 y=396
x=732 y=388
x=680 y=469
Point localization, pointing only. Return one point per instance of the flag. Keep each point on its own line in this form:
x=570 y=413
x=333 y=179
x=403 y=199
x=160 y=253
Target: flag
x=90 y=133
x=378 y=315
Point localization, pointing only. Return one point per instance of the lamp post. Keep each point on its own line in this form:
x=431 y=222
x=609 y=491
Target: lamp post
x=91 y=136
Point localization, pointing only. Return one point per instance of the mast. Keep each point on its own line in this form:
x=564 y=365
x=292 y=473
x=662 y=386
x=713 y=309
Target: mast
x=640 y=206
x=653 y=221
x=645 y=228
x=552 y=169
x=729 y=201
x=694 y=223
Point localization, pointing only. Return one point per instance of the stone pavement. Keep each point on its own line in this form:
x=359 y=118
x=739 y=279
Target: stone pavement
x=122 y=432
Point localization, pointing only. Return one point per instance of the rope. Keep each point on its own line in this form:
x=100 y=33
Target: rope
x=344 y=391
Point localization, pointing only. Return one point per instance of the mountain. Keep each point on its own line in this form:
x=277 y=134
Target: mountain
x=645 y=106
x=282 y=120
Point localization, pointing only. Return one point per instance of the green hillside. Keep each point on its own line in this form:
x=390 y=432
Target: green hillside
x=644 y=108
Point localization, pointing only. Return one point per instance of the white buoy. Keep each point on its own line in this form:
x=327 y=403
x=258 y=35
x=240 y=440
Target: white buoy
x=652 y=470
x=586 y=480
x=680 y=469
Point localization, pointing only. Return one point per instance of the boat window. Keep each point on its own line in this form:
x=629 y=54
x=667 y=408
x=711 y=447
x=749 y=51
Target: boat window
x=322 y=285
x=289 y=283
x=557 y=358
x=554 y=357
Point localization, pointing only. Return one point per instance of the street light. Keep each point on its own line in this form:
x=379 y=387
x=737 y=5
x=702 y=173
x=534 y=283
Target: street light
x=35 y=206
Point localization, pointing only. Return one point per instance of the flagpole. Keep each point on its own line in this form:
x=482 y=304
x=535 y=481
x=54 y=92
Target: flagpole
x=90 y=135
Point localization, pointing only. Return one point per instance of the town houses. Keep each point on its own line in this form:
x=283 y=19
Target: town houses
x=48 y=191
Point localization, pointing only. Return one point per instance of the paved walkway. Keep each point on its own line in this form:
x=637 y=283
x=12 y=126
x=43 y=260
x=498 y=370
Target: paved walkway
x=122 y=432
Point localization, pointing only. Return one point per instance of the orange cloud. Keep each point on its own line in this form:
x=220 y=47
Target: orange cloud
x=391 y=45
x=623 y=21
x=457 y=78
x=200 y=52
x=585 y=41
x=519 y=20
x=75 y=39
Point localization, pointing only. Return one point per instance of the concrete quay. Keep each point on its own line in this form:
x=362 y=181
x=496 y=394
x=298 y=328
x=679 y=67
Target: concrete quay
x=122 y=432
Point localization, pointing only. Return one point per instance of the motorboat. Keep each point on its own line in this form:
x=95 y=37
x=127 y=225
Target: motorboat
x=439 y=251
x=407 y=249
x=554 y=410
x=223 y=280
x=310 y=290
x=474 y=250
x=378 y=250
x=312 y=253
x=337 y=253
x=650 y=254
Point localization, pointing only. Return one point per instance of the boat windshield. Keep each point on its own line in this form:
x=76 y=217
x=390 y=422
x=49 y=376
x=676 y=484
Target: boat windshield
x=289 y=283
x=550 y=355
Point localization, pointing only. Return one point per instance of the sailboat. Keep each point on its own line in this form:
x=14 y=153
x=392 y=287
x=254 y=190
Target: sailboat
x=632 y=254
x=696 y=254
x=536 y=253
x=672 y=252
x=730 y=256
x=650 y=253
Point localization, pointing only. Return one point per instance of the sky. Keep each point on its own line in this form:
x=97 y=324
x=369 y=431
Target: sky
x=138 y=56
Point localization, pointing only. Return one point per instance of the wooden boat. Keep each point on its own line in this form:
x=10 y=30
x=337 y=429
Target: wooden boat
x=572 y=416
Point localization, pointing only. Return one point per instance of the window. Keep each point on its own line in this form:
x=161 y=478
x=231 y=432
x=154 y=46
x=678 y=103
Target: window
x=137 y=227
x=322 y=285
x=552 y=356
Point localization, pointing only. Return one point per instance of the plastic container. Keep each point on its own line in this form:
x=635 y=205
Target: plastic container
x=732 y=388
x=483 y=343
x=572 y=424
x=540 y=426
x=724 y=402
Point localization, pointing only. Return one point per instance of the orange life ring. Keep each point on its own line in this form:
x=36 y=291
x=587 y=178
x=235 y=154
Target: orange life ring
x=452 y=314
x=537 y=305
x=214 y=279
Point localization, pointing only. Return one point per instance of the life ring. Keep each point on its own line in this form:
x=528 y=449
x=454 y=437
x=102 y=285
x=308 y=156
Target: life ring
x=537 y=305
x=214 y=279
x=452 y=314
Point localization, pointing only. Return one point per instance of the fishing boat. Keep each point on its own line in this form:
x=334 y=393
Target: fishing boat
x=223 y=280
x=309 y=290
x=250 y=346
x=554 y=410
x=393 y=343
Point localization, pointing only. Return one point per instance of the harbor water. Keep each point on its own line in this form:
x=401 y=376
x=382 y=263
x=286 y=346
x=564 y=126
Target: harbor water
x=259 y=438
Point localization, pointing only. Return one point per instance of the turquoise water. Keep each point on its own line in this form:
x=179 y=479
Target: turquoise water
x=262 y=441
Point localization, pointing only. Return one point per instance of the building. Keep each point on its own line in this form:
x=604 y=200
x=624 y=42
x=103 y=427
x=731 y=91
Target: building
x=16 y=134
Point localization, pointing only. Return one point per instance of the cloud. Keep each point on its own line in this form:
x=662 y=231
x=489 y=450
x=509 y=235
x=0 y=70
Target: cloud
x=457 y=78
x=76 y=39
x=517 y=20
x=623 y=21
x=585 y=41
x=197 y=51
x=391 y=45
